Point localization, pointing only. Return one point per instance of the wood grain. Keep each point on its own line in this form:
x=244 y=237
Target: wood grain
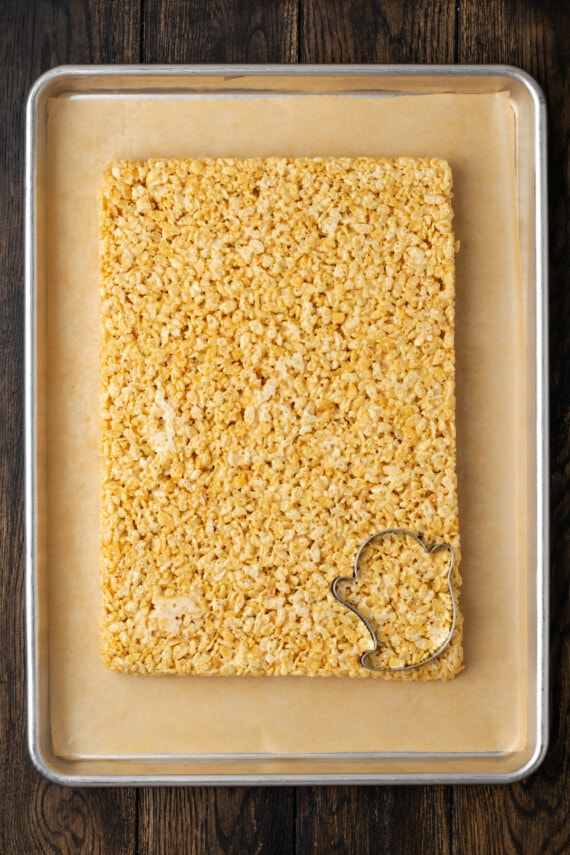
x=79 y=820
x=385 y=32
x=390 y=820
x=217 y=821
x=38 y=817
x=185 y=31
x=533 y=817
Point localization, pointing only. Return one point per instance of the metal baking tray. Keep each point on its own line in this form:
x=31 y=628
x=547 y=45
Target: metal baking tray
x=114 y=85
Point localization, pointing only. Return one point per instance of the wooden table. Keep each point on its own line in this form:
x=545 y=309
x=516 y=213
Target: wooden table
x=39 y=817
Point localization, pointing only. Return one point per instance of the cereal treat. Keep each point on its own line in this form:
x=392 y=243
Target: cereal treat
x=277 y=376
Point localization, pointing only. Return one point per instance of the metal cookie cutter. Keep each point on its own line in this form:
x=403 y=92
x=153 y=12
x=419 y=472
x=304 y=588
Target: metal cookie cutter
x=366 y=622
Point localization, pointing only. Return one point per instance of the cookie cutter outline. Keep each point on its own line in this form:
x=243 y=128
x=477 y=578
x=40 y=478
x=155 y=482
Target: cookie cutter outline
x=429 y=551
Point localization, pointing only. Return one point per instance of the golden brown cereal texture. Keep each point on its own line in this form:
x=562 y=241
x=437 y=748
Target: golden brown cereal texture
x=277 y=373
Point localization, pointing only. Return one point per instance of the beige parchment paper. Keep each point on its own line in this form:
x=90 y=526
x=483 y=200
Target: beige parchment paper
x=98 y=713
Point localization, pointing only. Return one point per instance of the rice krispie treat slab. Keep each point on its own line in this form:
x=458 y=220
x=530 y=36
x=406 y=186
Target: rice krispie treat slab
x=277 y=374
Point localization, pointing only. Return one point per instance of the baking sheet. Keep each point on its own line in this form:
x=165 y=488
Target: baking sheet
x=97 y=713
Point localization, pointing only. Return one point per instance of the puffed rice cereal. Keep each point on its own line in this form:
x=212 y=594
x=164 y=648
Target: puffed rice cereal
x=277 y=376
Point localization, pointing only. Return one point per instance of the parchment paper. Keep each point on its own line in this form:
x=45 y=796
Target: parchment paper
x=97 y=713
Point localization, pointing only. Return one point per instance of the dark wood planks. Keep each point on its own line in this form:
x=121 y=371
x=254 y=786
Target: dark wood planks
x=387 y=820
x=356 y=31
x=36 y=816
x=533 y=817
x=217 y=821
x=186 y=31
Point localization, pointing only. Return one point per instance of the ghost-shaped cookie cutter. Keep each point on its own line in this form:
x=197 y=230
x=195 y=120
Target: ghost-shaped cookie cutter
x=429 y=551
